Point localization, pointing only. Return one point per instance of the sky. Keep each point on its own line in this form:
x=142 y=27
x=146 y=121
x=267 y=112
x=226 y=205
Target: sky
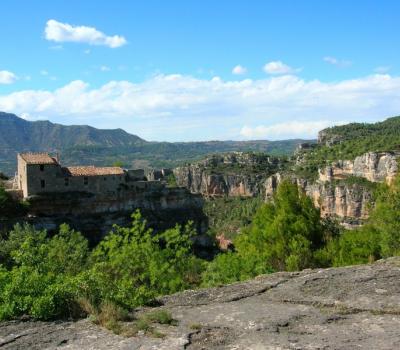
x=201 y=70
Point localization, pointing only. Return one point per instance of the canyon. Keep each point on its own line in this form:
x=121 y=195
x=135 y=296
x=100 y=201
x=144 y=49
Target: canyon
x=344 y=189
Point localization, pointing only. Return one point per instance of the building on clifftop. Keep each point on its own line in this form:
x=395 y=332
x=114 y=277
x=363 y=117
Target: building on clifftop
x=40 y=173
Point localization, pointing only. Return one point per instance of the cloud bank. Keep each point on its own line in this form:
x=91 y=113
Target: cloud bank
x=178 y=107
x=64 y=32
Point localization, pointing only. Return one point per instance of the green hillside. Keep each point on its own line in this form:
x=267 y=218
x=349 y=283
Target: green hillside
x=82 y=144
x=346 y=142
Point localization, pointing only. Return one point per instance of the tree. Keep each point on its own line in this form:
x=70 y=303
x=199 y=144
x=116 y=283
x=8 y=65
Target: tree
x=284 y=235
x=38 y=276
x=133 y=265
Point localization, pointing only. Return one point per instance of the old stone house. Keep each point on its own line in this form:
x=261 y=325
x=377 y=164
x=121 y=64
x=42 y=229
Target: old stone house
x=40 y=173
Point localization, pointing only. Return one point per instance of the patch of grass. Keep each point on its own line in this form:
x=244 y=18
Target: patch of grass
x=162 y=317
x=112 y=317
x=196 y=326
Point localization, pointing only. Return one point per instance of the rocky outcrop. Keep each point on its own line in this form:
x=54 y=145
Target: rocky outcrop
x=373 y=166
x=335 y=194
x=348 y=202
x=356 y=307
x=232 y=174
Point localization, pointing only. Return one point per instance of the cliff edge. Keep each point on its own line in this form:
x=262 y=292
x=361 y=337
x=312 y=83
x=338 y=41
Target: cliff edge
x=336 y=308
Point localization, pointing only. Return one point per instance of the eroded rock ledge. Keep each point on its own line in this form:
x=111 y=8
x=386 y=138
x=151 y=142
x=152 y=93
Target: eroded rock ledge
x=338 y=308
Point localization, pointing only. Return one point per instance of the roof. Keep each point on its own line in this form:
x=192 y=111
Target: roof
x=38 y=158
x=92 y=171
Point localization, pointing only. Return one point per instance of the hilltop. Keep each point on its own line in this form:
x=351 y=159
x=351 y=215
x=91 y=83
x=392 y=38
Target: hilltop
x=82 y=144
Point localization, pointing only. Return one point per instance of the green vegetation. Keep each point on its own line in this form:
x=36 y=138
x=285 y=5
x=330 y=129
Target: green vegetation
x=378 y=238
x=227 y=215
x=52 y=277
x=355 y=139
x=10 y=207
x=288 y=234
x=171 y=181
x=284 y=235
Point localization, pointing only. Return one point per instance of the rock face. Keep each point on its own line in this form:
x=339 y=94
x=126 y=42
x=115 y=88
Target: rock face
x=232 y=174
x=336 y=197
x=94 y=215
x=356 y=307
x=373 y=166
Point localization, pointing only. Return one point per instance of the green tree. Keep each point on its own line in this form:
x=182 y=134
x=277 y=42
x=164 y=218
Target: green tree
x=385 y=219
x=38 y=276
x=284 y=235
x=133 y=265
x=285 y=231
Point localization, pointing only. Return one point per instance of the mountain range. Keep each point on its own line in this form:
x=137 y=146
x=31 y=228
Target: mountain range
x=82 y=144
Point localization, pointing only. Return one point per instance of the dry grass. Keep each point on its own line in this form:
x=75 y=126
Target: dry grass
x=116 y=319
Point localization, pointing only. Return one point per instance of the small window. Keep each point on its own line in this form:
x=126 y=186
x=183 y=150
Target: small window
x=66 y=181
x=41 y=166
x=42 y=183
x=85 y=180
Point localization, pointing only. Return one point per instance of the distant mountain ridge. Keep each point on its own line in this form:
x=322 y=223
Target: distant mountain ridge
x=19 y=133
x=82 y=144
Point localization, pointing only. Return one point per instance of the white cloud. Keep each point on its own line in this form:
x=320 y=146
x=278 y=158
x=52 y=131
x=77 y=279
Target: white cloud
x=178 y=107
x=239 y=70
x=278 y=67
x=44 y=72
x=336 y=62
x=105 y=68
x=290 y=129
x=64 y=32
x=7 y=77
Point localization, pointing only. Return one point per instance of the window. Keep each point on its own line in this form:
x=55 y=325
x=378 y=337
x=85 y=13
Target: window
x=66 y=181
x=42 y=183
x=105 y=179
x=41 y=166
x=85 y=180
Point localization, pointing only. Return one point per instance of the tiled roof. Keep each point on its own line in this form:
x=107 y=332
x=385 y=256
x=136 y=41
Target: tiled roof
x=92 y=171
x=38 y=158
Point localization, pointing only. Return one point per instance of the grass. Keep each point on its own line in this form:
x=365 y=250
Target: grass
x=196 y=326
x=117 y=320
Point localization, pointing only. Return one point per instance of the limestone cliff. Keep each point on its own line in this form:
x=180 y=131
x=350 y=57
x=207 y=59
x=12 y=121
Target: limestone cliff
x=95 y=214
x=232 y=174
x=340 y=190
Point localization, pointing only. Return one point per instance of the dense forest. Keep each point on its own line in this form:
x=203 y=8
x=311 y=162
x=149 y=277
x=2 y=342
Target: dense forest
x=48 y=277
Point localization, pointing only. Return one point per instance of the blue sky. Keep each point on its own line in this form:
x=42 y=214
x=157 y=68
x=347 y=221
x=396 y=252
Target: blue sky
x=201 y=70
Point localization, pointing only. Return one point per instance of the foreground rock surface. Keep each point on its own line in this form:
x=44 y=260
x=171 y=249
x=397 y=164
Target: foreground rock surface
x=355 y=307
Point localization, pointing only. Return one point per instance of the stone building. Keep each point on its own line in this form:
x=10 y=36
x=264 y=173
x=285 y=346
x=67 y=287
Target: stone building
x=40 y=173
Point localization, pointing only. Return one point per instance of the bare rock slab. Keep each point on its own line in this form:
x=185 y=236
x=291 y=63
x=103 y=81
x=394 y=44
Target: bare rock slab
x=356 y=307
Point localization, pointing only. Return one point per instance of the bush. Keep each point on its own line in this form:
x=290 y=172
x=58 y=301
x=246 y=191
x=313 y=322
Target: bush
x=38 y=277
